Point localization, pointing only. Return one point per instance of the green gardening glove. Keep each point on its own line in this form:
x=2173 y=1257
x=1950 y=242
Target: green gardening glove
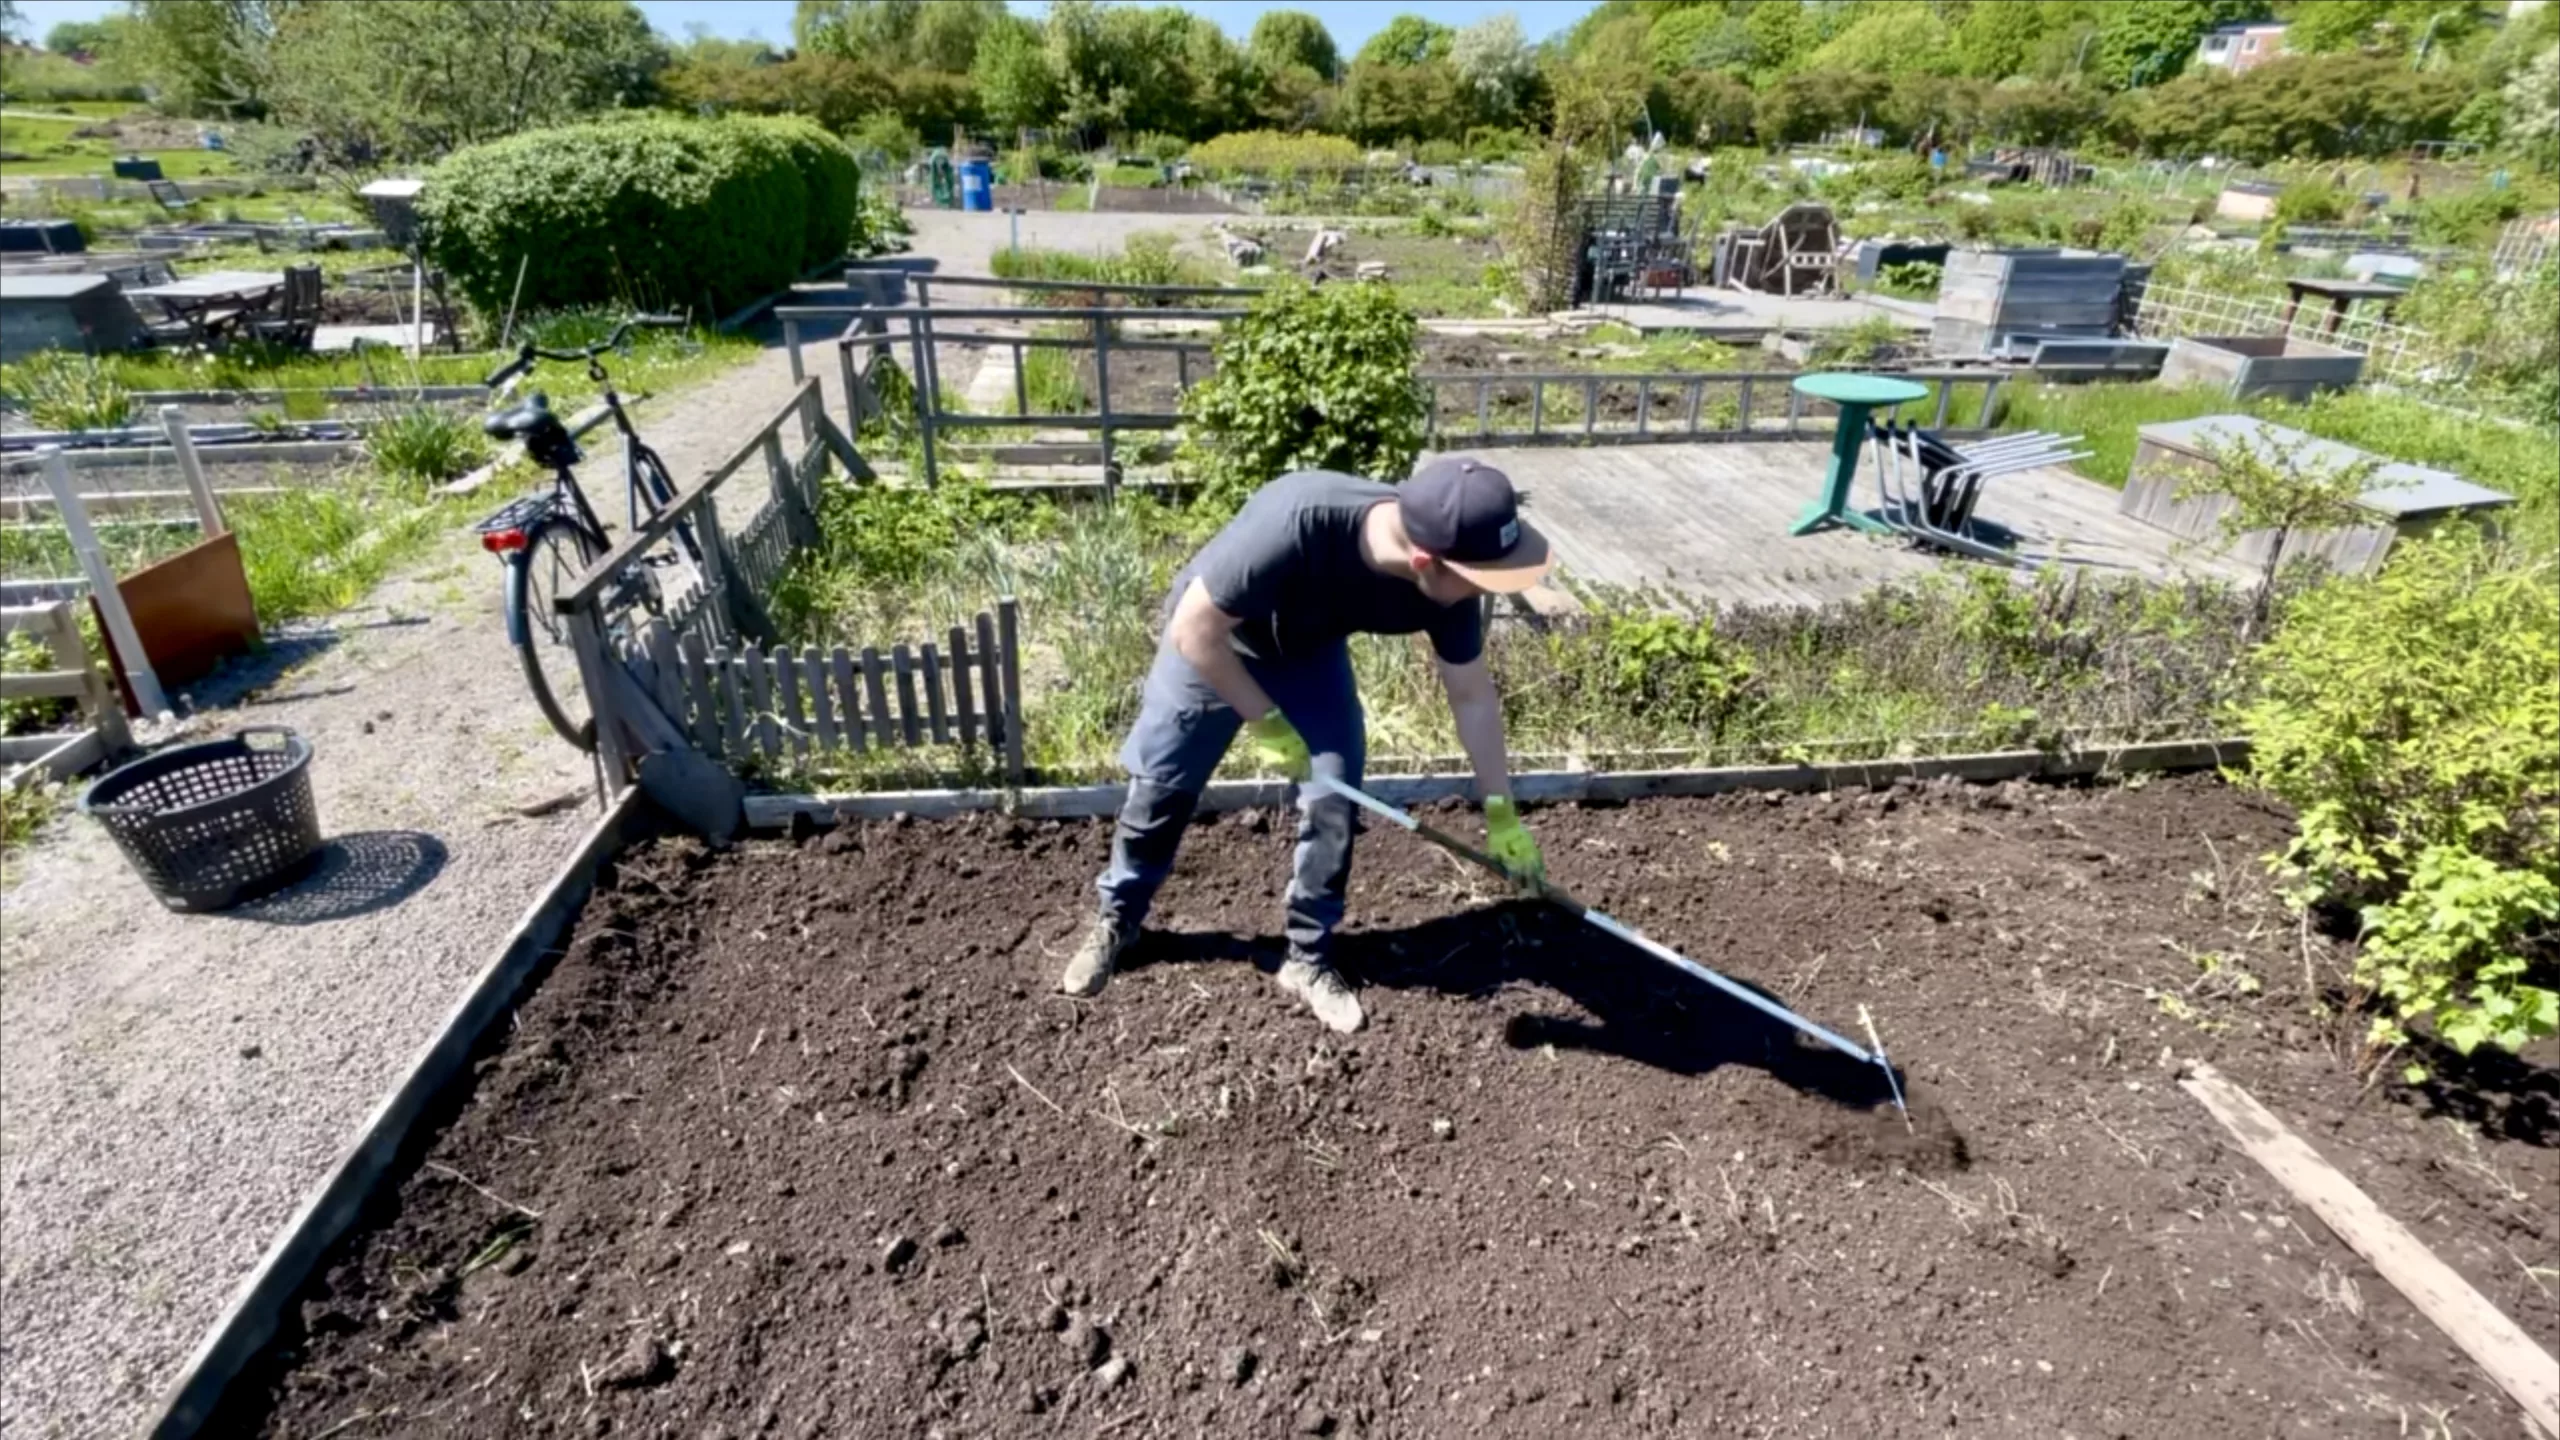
x=1509 y=842
x=1278 y=744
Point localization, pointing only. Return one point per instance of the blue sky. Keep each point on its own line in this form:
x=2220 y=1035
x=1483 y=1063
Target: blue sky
x=1350 y=21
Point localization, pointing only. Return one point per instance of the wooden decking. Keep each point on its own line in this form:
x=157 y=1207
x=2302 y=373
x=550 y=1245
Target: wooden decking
x=1711 y=521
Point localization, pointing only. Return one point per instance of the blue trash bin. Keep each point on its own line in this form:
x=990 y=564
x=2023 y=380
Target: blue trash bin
x=977 y=185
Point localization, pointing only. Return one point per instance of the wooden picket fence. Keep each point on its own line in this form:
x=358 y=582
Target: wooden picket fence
x=741 y=702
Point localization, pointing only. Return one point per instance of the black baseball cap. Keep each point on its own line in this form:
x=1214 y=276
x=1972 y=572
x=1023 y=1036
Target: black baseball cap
x=1465 y=514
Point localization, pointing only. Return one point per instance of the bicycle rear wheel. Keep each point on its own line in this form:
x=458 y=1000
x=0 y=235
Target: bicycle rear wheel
x=556 y=552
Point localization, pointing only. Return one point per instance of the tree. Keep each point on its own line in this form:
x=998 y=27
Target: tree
x=1016 y=85
x=206 y=57
x=11 y=20
x=1493 y=60
x=1386 y=104
x=2314 y=27
x=84 y=38
x=1699 y=37
x=897 y=35
x=1407 y=40
x=1708 y=107
x=1285 y=38
x=2144 y=42
x=1121 y=67
x=1892 y=40
x=412 y=81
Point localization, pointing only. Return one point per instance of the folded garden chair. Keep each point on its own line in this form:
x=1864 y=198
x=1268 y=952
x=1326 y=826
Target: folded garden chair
x=1930 y=488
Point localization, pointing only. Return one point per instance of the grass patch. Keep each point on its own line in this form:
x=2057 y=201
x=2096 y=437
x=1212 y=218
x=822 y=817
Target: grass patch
x=1148 y=258
x=658 y=361
x=1964 y=660
x=23 y=812
x=2522 y=460
x=308 y=551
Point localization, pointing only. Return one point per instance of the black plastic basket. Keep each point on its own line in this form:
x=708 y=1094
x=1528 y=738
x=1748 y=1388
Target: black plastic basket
x=213 y=824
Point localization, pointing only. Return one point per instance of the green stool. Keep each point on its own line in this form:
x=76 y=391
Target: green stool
x=1856 y=395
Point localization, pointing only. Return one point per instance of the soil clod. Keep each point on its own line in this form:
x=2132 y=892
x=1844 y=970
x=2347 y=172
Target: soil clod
x=898 y=1253
x=642 y=1363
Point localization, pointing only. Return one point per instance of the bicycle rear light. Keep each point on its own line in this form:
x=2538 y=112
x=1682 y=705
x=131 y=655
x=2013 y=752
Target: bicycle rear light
x=499 y=542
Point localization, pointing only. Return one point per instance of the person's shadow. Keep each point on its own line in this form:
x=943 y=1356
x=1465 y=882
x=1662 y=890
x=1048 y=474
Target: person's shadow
x=1643 y=1010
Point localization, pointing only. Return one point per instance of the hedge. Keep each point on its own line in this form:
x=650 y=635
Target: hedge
x=834 y=181
x=685 y=215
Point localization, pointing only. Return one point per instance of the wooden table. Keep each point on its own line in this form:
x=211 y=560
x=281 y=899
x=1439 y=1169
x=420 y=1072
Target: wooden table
x=2341 y=295
x=1856 y=395
x=216 y=304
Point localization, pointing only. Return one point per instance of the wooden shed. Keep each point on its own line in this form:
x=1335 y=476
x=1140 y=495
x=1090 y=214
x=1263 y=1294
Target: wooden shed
x=2404 y=501
x=2245 y=365
x=1987 y=297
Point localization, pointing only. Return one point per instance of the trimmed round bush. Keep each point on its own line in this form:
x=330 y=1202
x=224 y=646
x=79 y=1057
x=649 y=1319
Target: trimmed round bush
x=681 y=215
x=834 y=181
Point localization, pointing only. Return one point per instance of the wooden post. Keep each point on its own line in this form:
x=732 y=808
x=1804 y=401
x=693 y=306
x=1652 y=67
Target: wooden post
x=850 y=695
x=795 y=720
x=876 y=690
x=102 y=585
x=960 y=699
x=910 y=727
x=929 y=656
x=759 y=672
x=813 y=668
x=920 y=346
x=705 y=695
x=991 y=681
x=1102 y=387
x=791 y=343
x=733 y=703
x=1009 y=628
x=191 y=466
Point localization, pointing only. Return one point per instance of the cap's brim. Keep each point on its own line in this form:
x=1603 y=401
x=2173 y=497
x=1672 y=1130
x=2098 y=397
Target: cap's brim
x=1524 y=565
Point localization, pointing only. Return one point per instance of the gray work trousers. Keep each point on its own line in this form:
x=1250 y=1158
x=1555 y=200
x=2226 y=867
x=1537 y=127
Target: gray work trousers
x=1184 y=729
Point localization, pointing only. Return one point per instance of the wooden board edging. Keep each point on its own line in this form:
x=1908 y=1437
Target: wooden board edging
x=2497 y=1344
x=332 y=1208
x=775 y=812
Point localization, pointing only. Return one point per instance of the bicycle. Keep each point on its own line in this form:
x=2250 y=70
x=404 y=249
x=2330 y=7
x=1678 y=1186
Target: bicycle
x=548 y=539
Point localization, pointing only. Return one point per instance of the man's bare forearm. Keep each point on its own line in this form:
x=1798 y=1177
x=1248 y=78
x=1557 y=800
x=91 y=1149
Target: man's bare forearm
x=1479 y=721
x=1200 y=633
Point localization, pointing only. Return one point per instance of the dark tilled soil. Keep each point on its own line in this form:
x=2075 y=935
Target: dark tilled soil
x=815 y=1151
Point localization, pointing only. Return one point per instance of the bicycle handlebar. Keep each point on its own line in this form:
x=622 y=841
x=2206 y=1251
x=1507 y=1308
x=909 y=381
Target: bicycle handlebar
x=615 y=341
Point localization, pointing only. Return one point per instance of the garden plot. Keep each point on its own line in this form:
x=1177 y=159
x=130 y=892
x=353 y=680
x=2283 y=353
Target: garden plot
x=1448 y=274
x=797 y=1140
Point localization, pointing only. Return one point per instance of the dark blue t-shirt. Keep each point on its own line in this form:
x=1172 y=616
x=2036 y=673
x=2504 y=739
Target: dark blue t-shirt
x=1289 y=568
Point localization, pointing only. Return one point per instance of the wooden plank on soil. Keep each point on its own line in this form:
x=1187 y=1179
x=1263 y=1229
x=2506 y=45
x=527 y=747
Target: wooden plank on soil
x=2497 y=1344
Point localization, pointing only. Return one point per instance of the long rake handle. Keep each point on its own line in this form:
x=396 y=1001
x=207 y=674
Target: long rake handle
x=1598 y=920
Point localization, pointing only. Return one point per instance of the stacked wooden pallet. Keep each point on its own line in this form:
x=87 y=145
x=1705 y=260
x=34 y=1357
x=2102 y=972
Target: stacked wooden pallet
x=1988 y=297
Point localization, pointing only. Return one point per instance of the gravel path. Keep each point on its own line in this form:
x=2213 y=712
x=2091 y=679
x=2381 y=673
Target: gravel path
x=173 y=1086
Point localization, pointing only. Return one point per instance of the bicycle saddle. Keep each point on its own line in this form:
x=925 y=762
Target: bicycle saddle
x=532 y=422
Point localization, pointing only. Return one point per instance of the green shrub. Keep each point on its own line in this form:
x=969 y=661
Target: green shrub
x=1915 y=278
x=62 y=391
x=2411 y=722
x=1268 y=152
x=1676 y=672
x=1313 y=379
x=833 y=180
x=2309 y=202
x=2469 y=218
x=425 y=444
x=672 y=214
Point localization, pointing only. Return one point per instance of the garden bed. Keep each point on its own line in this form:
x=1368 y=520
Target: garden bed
x=797 y=1140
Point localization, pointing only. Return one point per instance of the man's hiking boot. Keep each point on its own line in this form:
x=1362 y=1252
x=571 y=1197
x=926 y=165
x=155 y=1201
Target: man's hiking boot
x=1089 y=969
x=1322 y=987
